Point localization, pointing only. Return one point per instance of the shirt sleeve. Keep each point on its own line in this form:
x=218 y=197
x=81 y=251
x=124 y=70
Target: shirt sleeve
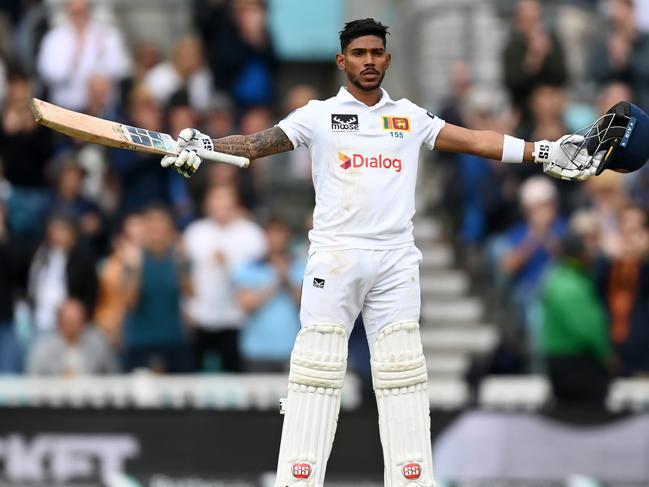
x=432 y=125
x=299 y=124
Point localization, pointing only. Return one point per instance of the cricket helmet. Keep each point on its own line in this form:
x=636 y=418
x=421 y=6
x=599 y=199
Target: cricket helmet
x=623 y=133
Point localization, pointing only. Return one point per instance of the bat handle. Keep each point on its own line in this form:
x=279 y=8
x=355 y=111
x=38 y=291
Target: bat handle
x=210 y=155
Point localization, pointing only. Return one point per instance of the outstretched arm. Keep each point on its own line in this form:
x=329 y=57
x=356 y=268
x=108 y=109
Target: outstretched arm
x=254 y=146
x=482 y=143
x=567 y=158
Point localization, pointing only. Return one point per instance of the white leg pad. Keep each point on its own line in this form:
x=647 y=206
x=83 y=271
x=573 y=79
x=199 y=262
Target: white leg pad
x=400 y=381
x=318 y=365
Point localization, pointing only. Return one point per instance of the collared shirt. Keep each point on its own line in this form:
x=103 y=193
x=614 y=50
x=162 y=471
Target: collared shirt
x=364 y=168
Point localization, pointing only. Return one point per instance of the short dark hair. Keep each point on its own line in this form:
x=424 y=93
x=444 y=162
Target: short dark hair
x=360 y=28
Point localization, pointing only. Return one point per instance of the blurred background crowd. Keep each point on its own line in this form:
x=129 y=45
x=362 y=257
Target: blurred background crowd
x=109 y=263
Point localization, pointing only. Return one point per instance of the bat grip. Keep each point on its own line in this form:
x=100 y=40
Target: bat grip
x=238 y=161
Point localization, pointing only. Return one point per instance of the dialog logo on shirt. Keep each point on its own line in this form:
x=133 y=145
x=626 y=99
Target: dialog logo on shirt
x=344 y=122
x=379 y=161
x=400 y=124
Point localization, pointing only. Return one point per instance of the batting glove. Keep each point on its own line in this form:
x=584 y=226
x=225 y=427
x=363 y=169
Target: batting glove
x=567 y=158
x=187 y=161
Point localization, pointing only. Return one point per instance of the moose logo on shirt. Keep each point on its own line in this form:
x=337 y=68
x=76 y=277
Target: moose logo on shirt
x=344 y=122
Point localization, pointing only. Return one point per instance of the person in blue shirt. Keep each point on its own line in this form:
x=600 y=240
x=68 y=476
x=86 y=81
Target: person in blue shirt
x=268 y=290
x=154 y=281
x=527 y=251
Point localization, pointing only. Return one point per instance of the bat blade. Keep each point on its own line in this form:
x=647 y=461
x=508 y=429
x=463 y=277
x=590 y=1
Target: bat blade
x=115 y=134
x=101 y=131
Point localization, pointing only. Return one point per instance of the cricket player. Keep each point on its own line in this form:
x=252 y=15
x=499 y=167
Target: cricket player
x=364 y=149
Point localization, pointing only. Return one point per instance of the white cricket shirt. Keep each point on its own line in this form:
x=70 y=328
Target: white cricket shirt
x=364 y=168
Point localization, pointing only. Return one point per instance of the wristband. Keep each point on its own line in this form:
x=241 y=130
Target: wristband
x=513 y=150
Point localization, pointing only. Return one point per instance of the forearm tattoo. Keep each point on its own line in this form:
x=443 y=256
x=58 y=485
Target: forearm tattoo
x=254 y=146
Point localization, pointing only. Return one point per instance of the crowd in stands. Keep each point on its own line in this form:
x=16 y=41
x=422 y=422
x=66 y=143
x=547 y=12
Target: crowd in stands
x=108 y=262
x=568 y=260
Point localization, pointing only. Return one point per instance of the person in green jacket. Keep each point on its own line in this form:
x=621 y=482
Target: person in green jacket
x=574 y=335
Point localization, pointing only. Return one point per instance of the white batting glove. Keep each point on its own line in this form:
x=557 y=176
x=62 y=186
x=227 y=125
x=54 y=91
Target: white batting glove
x=564 y=159
x=187 y=161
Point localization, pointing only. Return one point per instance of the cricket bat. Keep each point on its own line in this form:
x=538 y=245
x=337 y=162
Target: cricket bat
x=114 y=134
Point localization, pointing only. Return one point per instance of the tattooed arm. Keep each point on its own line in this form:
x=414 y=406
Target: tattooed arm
x=254 y=146
x=260 y=144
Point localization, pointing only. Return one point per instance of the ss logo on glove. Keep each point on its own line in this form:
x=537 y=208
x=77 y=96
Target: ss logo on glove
x=544 y=152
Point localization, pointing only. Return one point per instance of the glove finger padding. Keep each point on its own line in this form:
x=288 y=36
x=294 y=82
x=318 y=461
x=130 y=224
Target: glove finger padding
x=167 y=161
x=187 y=162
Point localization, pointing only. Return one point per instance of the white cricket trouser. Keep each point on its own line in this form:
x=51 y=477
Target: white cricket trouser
x=382 y=284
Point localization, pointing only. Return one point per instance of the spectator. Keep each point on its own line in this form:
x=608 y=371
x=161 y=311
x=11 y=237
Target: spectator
x=577 y=24
x=154 y=282
x=607 y=197
x=622 y=53
x=216 y=245
x=75 y=349
x=138 y=174
x=146 y=57
x=268 y=290
x=527 y=250
x=574 y=336
x=13 y=270
x=185 y=71
x=460 y=80
x=612 y=93
x=547 y=105
x=101 y=97
x=241 y=53
x=533 y=56
x=25 y=150
x=535 y=240
x=68 y=199
x=584 y=222
x=75 y=50
x=61 y=268
x=624 y=286
x=111 y=308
